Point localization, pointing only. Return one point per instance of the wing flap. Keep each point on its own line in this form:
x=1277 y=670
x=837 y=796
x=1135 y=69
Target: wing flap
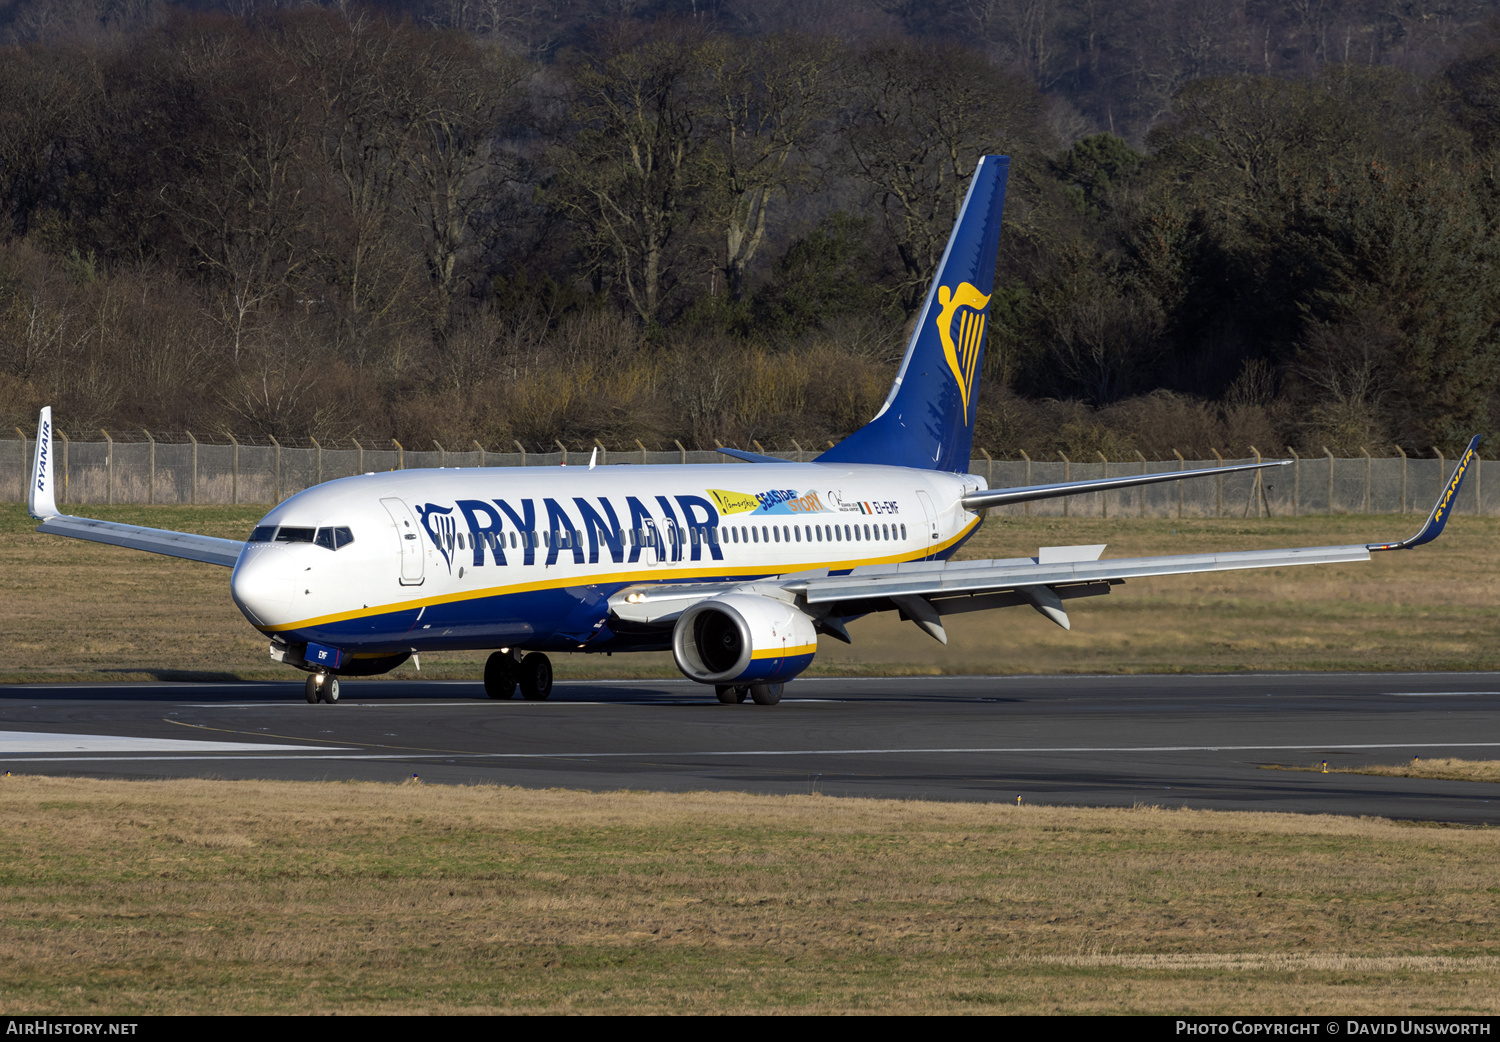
x=975 y=577
x=204 y=548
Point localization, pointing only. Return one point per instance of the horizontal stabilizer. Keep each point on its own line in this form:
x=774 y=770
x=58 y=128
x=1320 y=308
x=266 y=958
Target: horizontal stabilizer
x=751 y=457
x=999 y=497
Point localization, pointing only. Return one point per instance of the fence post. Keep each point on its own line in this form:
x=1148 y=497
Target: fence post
x=194 y=498
x=759 y=447
x=64 y=489
x=1330 y=478
x=480 y=448
x=318 y=455
x=1256 y=486
x=1368 y=465
x=643 y=450
x=24 y=470
x=276 y=490
x=1141 y=492
x=1442 y=467
x=603 y=452
x=1103 y=495
x=151 y=470
x=401 y=455
x=109 y=467
x=564 y=448
x=1218 y=486
x=443 y=453
x=234 y=471
x=680 y=449
x=1403 y=478
x=1478 y=483
x=1181 y=465
x=520 y=448
x=1027 y=506
x=1296 y=482
x=1067 y=476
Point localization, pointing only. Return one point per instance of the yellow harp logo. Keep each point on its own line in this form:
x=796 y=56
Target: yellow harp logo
x=963 y=353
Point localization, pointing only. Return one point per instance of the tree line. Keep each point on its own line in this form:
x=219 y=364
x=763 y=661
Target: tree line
x=346 y=223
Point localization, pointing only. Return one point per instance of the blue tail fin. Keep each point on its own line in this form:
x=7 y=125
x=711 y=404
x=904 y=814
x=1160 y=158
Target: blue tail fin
x=928 y=419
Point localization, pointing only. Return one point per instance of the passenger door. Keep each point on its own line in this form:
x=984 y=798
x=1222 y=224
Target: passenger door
x=413 y=553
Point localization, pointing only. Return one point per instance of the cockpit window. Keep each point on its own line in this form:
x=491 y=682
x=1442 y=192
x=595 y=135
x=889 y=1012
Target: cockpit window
x=287 y=534
x=263 y=534
x=334 y=538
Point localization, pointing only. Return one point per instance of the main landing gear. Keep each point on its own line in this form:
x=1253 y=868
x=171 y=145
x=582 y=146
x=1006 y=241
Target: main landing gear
x=503 y=673
x=760 y=694
x=322 y=687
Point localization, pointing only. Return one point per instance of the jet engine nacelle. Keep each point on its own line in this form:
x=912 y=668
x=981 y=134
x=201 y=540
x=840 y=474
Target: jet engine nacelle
x=741 y=638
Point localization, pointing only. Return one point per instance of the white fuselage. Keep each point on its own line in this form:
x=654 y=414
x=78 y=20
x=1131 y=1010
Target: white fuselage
x=527 y=557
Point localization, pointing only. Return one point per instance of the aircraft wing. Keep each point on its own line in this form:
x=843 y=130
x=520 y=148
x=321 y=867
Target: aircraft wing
x=41 y=501
x=203 y=548
x=924 y=591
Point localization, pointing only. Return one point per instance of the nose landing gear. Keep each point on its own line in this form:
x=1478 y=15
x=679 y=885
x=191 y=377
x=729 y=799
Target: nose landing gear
x=322 y=687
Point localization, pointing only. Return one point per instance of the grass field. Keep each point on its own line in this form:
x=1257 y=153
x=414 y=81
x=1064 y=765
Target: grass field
x=228 y=897
x=75 y=610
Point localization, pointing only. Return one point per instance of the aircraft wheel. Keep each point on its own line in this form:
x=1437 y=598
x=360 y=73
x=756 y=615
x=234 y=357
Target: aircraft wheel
x=330 y=689
x=500 y=675
x=312 y=689
x=766 y=694
x=731 y=694
x=536 y=677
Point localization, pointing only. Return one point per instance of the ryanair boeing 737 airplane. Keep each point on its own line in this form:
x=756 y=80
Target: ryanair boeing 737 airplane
x=737 y=569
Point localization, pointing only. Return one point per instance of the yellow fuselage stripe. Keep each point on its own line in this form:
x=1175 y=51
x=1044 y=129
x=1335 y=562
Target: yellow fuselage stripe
x=662 y=574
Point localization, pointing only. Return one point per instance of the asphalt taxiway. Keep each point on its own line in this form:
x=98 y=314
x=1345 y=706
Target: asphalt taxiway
x=1198 y=741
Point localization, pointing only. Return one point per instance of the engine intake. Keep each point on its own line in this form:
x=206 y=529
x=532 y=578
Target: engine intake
x=743 y=639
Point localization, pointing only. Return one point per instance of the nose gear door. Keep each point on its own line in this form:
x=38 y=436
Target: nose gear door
x=409 y=536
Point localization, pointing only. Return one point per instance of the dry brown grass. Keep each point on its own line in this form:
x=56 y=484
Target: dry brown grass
x=218 y=897
x=1445 y=768
x=74 y=610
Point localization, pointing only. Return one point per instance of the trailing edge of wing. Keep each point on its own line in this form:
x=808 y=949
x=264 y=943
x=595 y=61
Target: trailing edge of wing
x=997 y=576
x=192 y=547
x=1438 y=519
x=996 y=497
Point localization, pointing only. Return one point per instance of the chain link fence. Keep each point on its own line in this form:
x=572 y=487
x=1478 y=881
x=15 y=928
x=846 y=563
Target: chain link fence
x=145 y=472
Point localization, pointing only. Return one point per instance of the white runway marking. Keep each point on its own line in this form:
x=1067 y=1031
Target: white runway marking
x=44 y=742
x=726 y=753
x=1436 y=694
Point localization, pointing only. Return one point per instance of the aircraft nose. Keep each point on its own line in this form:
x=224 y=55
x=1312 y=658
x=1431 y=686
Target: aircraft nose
x=262 y=585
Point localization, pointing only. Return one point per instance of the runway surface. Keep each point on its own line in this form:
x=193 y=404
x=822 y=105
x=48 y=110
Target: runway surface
x=1198 y=741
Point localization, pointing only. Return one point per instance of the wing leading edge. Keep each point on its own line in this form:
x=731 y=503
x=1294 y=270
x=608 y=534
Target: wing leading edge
x=41 y=501
x=924 y=591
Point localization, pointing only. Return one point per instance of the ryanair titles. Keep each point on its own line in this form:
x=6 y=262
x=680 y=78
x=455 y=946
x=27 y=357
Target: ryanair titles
x=654 y=529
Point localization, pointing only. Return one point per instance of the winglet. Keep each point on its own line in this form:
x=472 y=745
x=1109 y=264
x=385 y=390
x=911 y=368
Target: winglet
x=1439 y=516
x=41 y=501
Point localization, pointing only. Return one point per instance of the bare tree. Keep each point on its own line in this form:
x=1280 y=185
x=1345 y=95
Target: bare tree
x=631 y=176
x=919 y=119
x=767 y=97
